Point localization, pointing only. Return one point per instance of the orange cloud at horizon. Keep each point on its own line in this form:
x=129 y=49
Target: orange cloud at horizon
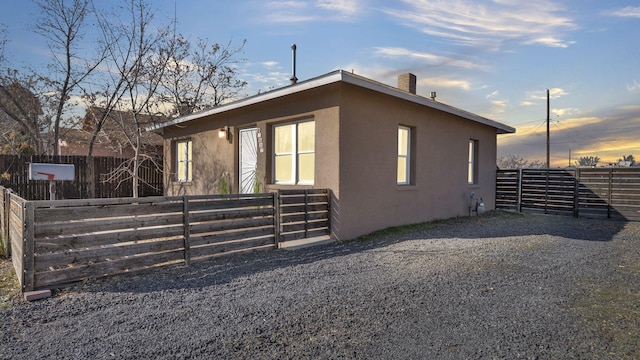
x=608 y=137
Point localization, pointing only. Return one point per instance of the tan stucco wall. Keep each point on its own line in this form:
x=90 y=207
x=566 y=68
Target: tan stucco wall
x=356 y=156
x=371 y=200
x=213 y=156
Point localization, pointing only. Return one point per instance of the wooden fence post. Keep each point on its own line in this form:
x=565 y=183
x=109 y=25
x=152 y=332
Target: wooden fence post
x=546 y=191
x=276 y=218
x=306 y=213
x=6 y=196
x=187 y=230
x=519 y=195
x=609 y=195
x=329 y=210
x=28 y=265
x=576 y=193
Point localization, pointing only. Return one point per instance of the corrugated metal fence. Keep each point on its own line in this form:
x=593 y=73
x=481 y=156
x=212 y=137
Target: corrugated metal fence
x=583 y=192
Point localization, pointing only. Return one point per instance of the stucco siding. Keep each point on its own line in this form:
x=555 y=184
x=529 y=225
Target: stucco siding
x=355 y=155
x=371 y=199
x=215 y=158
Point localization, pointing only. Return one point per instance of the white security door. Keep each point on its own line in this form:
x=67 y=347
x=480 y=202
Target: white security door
x=248 y=160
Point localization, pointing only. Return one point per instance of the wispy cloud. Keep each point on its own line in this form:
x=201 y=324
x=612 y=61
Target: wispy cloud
x=430 y=59
x=550 y=41
x=344 y=7
x=297 y=11
x=269 y=64
x=493 y=94
x=438 y=82
x=554 y=93
x=629 y=11
x=633 y=87
x=564 y=112
x=498 y=107
x=488 y=24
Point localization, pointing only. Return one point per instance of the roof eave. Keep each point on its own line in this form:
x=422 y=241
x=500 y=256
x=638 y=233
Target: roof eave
x=334 y=77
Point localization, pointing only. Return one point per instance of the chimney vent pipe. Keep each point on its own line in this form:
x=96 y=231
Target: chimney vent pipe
x=407 y=82
x=293 y=79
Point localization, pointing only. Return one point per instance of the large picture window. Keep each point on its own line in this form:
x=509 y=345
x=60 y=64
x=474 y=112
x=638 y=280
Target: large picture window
x=184 y=161
x=294 y=153
x=404 y=156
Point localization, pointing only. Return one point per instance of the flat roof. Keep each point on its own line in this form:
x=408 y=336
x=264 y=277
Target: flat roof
x=331 y=78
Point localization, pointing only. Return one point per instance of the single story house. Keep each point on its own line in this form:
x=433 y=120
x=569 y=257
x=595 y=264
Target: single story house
x=389 y=156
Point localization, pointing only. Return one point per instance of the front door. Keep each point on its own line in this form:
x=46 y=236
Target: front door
x=248 y=160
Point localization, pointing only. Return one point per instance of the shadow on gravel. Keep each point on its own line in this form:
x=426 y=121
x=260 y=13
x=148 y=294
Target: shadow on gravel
x=225 y=269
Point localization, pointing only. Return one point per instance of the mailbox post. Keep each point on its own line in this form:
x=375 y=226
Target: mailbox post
x=51 y=172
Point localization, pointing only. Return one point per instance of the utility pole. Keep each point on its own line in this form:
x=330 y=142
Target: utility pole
x=548 y=163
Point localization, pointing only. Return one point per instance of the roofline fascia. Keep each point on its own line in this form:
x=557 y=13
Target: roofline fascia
x=255 y=99
x=334 y=77
x=389 y=90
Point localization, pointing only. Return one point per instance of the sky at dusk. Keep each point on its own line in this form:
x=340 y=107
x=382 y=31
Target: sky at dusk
x=493 y=58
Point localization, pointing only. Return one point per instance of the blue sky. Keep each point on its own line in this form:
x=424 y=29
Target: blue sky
x=493 y=58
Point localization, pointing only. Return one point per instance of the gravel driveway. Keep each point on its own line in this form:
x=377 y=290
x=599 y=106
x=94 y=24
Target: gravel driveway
x=499 y=286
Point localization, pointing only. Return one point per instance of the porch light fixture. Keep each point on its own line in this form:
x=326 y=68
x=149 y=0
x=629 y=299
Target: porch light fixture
x=224 y=133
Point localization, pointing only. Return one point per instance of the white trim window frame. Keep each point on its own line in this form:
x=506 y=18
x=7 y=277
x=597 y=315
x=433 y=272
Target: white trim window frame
x=472 y=165
x=403 y=176
x=293 y=153
x=184 y=161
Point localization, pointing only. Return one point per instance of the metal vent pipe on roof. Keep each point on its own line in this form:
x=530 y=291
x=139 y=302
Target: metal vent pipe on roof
x=294 y=79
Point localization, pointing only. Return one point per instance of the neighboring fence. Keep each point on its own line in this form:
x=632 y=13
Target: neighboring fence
x=59 y=242
x=15 y=171
x=584 y=192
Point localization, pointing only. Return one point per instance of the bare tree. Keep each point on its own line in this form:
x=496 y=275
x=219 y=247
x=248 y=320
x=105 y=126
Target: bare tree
x=3 y=42
x=627 y=158
x=62 y=24
x=21 y=103
x=201 y=76
x=512 y=161
x=137 y=56
x=591 y=161
x=17 y=105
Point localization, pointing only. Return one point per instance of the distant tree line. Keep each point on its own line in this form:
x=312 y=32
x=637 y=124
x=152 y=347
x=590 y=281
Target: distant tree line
x=132 y=69
x=518 y=162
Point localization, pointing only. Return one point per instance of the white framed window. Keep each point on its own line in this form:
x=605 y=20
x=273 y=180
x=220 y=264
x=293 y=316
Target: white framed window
x=184 y=161
x=404 y=156
x=294 y=153
x=472 y=169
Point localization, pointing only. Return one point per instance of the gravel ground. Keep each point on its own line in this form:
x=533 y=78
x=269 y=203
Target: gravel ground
x=499 y=286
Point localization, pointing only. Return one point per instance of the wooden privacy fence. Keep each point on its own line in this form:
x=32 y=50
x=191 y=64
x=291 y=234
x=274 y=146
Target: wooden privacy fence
x=15 y=171
x=585 y=192
x=59 y=242
x=304 y=213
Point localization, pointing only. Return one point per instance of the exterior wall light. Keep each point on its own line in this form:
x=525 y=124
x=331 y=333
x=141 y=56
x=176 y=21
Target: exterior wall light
x=224 y=133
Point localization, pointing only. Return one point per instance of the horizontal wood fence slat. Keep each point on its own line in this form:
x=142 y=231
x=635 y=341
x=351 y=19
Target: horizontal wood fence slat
x=597 y=193
x=304 y=214
x=58 y=242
